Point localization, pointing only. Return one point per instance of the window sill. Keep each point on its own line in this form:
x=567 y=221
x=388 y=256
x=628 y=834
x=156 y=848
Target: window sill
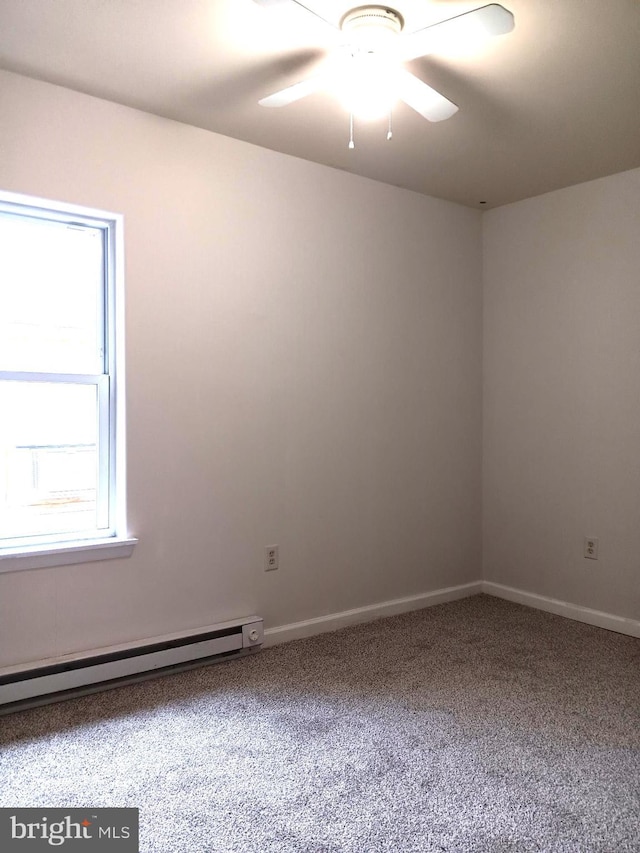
x=64 y=554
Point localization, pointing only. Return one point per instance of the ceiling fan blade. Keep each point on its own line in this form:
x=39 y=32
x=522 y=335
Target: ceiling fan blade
x=294 y=93
x=491 y=20
x=423 y=99
x=284 y=3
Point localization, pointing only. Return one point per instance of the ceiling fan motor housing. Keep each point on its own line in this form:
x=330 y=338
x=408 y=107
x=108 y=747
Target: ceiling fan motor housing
x=372 y=23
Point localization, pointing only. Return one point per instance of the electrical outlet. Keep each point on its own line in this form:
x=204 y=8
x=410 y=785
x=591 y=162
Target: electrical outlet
x=271 y=558
x=590 y=548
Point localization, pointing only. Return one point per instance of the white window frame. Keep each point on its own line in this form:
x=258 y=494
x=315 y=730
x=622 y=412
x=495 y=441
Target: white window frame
x=114 y=541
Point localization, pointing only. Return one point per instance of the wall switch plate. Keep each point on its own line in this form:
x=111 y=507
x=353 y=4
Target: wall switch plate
x=590 y=548
x=271 y=558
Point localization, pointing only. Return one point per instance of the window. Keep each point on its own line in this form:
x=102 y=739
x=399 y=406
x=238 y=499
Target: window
x=61 y=394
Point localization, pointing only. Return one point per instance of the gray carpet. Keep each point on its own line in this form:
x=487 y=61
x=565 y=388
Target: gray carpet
x=474 y=726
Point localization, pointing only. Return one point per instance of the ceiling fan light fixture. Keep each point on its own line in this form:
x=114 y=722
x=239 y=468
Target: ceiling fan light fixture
x=367 y=86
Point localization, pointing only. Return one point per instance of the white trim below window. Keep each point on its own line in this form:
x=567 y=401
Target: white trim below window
x=65 y=554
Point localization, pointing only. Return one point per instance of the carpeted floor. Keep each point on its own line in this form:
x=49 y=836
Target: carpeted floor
x=474 y=726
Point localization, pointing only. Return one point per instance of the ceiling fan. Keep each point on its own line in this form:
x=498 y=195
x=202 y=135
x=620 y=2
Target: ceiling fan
x=367 y=71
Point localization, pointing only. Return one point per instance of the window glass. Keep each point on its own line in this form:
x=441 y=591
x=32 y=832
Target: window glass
x=61 y=403
x=49 y=438
x=51 y=293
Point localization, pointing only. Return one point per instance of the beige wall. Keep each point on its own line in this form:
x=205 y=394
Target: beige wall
x=562 y=394
x=304 y=357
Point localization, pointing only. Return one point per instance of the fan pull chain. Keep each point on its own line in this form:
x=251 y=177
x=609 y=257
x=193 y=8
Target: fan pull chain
x=351 y=142
x=390 y=131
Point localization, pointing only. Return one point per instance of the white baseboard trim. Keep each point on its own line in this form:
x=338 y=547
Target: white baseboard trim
x=334 y=621
x=620 y=624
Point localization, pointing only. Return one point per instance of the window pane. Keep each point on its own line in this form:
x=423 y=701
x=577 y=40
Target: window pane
x=48 y=458
x=51 y=284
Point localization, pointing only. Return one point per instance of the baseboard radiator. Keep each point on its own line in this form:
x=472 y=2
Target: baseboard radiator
x=63 y=678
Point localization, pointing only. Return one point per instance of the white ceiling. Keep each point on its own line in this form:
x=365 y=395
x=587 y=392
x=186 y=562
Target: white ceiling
x=554 y=103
